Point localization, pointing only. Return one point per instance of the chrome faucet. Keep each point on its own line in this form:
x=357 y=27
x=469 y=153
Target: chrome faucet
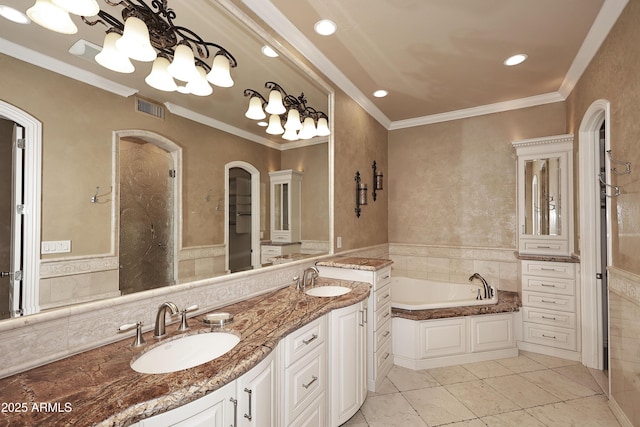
x=313 y=271
x=159 y=330
x=485 y=285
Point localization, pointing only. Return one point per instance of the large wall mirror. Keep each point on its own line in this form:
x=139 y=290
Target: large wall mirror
x=129 y=201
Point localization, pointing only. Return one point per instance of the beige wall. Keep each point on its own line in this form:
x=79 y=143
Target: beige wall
x=359 y=140
x=454 y=183
x=613 y=75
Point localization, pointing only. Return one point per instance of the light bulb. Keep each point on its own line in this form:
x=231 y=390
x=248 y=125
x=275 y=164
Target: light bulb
x=159 y=78
x=275 y=127
x=220 y=74
x=199 y=85
x=255 y=111
x=275 y=105
x=293 y=120
x=51 y=17
x=183 y=66
x=110 y=57
x=323 y=127
x=135 y=41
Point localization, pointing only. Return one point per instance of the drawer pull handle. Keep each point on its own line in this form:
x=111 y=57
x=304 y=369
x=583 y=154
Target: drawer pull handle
x=235 y=411
x=548 y=302
x=386 y=314
x=386 y=334
x=313 y=337
x=549 y=336
x=549 y=318
x=543 y=247
x=313 y=380
x=385 y=277
x=547 y=285
x=248 y=416
x=386 y=356
x=386 y=296
x=547 y=269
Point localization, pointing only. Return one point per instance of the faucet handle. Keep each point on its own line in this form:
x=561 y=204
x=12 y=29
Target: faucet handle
x=139 y=341
x=183 y=320
x=296 y=279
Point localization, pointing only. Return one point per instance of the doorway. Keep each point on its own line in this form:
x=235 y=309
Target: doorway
x=595 y=229
x=147 y=203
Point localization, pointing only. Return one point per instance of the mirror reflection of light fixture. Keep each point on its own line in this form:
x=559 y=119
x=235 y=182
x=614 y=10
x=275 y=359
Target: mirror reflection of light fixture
x=377 y=180
x=361 y=193
x=144 y=33
x=302 y=121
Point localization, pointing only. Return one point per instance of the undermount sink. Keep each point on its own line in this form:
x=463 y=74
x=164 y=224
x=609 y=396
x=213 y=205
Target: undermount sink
x=328 y=291
x=185 y=352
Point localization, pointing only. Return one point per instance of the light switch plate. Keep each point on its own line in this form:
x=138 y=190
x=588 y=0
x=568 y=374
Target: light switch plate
x=56 y=247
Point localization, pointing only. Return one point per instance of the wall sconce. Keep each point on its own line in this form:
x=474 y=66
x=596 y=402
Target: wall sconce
x=377 y=181
x=361 y=194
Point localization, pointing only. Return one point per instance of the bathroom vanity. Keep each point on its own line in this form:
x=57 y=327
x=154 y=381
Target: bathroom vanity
x=278 y=374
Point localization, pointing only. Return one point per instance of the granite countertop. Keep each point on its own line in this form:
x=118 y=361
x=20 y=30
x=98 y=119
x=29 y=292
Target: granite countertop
x=280 y=259
x=98 y=387
x=272 y=243
x=548 y=258
x=507 y=302
x=356 y=263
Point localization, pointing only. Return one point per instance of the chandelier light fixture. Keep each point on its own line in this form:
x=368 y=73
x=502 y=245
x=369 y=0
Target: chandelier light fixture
x=289 y=116
x=145 y=34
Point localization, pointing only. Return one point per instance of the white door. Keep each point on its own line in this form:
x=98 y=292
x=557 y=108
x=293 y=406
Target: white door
x=15 y=271
x=256 y=396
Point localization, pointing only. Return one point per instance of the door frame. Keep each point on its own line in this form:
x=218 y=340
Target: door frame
x=255 y=212
x=590 y=253
x=32 y=187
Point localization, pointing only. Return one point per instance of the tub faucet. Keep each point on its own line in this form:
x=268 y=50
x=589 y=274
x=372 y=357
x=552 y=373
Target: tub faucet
x=485 y=285
x=313 y=272
x=159 y=330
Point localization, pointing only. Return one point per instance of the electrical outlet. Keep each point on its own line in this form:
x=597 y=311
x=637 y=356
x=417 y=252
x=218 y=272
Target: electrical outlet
x=339 y=242
x=56 y=247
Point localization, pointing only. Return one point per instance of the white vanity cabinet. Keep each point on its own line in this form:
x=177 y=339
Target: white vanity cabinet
x=286 y=193
x=550 y=308
x=545 y=199
x=379 y=356
x=228 y=405
x=304 y=358
x=347 y=362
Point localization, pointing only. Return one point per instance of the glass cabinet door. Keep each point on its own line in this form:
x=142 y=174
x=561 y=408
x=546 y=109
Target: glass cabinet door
x=542 y=209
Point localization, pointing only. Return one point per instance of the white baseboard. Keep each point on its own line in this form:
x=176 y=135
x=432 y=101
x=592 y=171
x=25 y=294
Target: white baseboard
x=550 y=351
x=458 y=359
x=619 y=413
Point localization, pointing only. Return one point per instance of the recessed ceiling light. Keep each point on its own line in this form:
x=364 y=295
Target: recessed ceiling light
x=380 y=93
x=325 y=27
x=263 y=124
x=515 y=59
x=13 y=15
x=267 y=51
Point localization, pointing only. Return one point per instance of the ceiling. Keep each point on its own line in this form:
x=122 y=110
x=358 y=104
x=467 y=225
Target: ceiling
x=439 y=60
x=444 y=59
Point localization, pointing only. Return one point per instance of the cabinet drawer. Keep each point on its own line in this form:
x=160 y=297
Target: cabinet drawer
x=544 y=248
x=305 y=381
x=304 y=340
x=381 y=315
x=382 y=277
x=550 y=285
x=383 y=358
x=561 y=270
x=549 y=317
x=381 y=296
x=550 y=302
x=382 y=334
x=550 y=335
x=313 y=415
x=272 y=250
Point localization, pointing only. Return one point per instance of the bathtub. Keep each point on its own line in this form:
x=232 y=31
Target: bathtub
x=419 y=294
x=445 y=341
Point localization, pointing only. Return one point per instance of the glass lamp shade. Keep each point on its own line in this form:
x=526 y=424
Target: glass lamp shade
x=323 y=127
x=110 y=57
x=308 y=129
x=159 y=78
x=79 y=7
x=51 y=17
x=275 y=105
x=255 y=111
x=293 y=120
x=290 y=135
x=275 y=127
x=199 y=85
x=183 y=66
x=135 y=41
x=219 y=74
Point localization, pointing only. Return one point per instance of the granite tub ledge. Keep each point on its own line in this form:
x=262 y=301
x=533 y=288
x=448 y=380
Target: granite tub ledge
x=356 y=263
x=98 y=387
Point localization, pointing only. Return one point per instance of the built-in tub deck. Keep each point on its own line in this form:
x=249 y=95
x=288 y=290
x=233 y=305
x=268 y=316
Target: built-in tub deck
x=507 y=302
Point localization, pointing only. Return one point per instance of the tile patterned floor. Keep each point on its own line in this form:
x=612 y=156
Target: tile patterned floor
x=531 y=390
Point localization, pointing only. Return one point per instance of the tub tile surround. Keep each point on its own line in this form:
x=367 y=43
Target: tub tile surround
x=103 y=375
x=455 y=264
x=489 y=394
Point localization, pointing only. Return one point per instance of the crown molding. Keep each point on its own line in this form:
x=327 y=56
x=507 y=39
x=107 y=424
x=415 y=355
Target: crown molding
x=43 y=61
x=498 y=107
x=607 y=17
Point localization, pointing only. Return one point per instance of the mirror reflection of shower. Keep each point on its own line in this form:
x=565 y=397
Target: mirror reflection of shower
x=542 y=197
x=146 y=243
x=239 y=226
